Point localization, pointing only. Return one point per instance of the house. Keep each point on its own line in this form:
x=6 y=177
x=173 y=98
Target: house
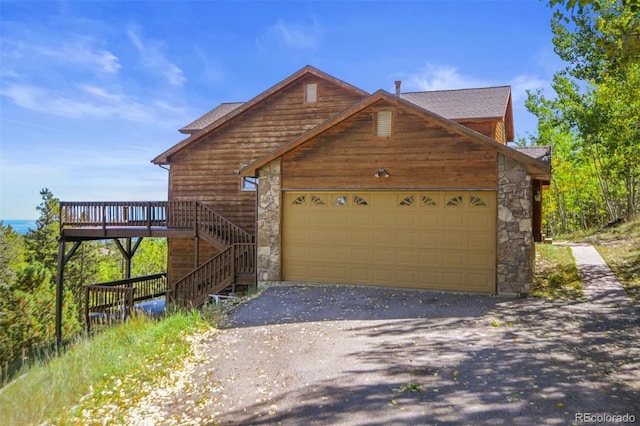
x=337 y=185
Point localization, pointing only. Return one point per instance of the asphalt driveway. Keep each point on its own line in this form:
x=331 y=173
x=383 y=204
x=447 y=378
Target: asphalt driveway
x=347 y=355
x=377 y=356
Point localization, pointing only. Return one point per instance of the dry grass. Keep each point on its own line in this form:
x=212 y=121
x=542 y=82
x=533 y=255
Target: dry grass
x=102 y=376
x=556 y=274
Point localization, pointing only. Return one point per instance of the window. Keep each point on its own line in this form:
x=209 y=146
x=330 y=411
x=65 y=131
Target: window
x=340 y=201
x=359 y=201
x=311 y=93
x=407 y=201
x=317 y=201
x=455 y=201
x=428 y=201
x=249 y=183
x=300 y=200
x=477 y=201
x=383 y=123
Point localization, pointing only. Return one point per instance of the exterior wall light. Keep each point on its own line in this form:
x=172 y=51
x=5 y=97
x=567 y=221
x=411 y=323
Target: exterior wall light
x=382 y=173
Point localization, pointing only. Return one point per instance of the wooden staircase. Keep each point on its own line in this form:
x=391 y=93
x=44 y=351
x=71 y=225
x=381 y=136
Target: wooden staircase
x=233 y=265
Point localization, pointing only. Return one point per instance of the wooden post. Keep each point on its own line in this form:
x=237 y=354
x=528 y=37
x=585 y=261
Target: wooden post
x=62 y=261
x=196 y=259
x=127 y=272
x=59 y=293
x=104 y=218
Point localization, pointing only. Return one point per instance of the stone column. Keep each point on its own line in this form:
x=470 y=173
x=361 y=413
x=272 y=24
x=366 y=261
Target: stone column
x=268 y=222
x=516 y=250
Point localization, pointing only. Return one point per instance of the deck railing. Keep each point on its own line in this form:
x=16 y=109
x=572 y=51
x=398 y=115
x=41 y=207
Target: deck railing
x=114 y=213
x=114 y=301
x=171 y=214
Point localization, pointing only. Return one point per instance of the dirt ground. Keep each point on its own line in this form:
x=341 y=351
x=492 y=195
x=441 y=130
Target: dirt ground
x=334 y=355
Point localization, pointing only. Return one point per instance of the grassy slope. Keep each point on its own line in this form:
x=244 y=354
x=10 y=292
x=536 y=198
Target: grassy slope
x=620 y=248
x=556 y=273
x=126 y=357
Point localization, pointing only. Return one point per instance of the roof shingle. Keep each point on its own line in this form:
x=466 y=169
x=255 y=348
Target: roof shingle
x=208 y=118
x=540 y=153
x=485 y=102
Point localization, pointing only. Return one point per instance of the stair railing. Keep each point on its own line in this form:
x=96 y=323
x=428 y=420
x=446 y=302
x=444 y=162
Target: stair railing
x=209 y=222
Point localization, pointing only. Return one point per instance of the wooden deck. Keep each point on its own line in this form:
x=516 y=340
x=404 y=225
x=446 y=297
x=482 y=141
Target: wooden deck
x=81 y=221
x=234 y=264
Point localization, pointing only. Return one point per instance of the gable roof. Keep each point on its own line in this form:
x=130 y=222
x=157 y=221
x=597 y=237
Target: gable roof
x=211 y=116
x=457 y=105
x=468 y=104
x=220 y=121
x=537 y=168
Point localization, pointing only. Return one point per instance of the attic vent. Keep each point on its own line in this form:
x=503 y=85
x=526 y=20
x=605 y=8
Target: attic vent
x=311 y=92
x=383 y=123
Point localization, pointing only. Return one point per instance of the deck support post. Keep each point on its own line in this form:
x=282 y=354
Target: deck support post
x=59 y=293
x=128 y=251
x=62 y=261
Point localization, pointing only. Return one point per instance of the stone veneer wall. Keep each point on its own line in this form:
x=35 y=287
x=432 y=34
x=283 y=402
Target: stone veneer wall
x=516 y=249
x=268 y=233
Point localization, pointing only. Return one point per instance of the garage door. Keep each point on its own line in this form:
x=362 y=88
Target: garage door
x=432 y=240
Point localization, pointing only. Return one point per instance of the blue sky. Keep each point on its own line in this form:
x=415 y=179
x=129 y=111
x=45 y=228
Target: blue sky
x=91 y=91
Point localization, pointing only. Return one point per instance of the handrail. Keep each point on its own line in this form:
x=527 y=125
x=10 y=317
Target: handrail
x=115 y=299
x=113 y=213
x=108 y=302
x=215 y=275
x=211 y=277
x=214 y=224
x=147 y=286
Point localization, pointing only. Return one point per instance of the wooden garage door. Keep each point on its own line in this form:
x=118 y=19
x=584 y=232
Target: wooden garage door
x=433 y=240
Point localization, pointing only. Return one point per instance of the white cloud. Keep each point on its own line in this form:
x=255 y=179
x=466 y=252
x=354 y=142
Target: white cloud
x=302 y=36
x=74 y=51
x=154 y=59
x=441 y=77
x=522 y=83
x=100 y=92
x=92 y=102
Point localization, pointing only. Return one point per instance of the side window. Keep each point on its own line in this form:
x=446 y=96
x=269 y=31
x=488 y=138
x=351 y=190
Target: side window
x=249 y=183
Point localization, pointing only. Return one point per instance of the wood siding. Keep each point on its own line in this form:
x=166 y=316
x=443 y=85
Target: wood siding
x=419 y=154
x=208 y=170
x=491 y=128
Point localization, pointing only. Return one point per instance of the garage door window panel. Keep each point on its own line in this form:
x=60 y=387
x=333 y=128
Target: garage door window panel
x=476 y=201
x=427 y=201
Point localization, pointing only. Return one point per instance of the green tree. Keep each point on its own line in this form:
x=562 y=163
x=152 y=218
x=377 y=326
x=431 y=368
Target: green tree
x=592 y=123
x=11 y=253
x=28 y=312
x=598 y=38
x=42 y=242
x=150 y=258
